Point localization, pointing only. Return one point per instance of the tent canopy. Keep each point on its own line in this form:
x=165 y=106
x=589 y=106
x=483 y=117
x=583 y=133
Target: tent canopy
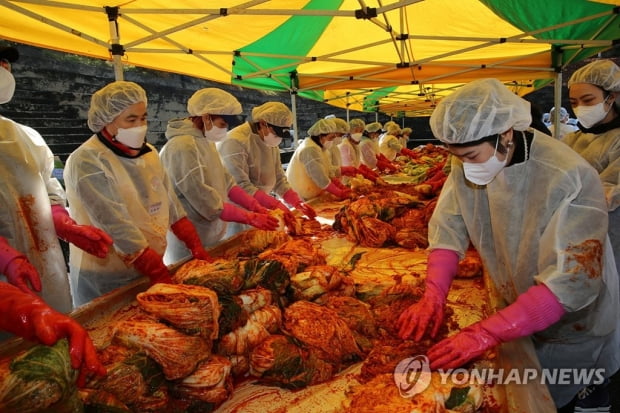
x=391 y=56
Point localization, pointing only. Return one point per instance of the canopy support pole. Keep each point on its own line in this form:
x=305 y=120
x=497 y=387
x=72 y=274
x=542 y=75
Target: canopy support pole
x=294 y=108
x=116 y=49
x=557 y=103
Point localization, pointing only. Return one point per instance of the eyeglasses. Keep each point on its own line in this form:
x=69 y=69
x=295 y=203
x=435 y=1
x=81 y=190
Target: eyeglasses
x=5 y=64
x=282 y=132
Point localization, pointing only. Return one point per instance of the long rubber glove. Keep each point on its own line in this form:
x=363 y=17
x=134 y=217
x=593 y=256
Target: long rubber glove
x=231 y=213
x=335 y=189
x=239 y=196
x=29 y=317
x=348 y=170
x=271 y=203
x=368 y=173
x=86 y=237
x=151 y=265
x=17 y=269
x=385 y=164
x=534 y=310
x=186 y=232
x=427 y=314
x=292 y=198
x=408 y=152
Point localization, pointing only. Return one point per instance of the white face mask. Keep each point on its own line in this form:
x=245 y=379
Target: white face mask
x=337 y=140
x=272 y=140
x=328 y=145
x=215 y=134
x=132 y=137
x=483 y=173
x=356 y=136
x=7 y=86
x=589 y=116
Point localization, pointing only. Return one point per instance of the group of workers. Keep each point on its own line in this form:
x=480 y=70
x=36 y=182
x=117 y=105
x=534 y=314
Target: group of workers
x=544 y=217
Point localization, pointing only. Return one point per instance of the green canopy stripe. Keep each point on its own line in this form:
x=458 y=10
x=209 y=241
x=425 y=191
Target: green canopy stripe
x=372 y=100
x=287 y=39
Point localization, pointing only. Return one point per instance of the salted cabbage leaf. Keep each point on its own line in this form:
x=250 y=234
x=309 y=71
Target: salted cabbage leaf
x=177 y=353
x=211 y=381
x=222 y=276
x=40 y=380
x=191 y=308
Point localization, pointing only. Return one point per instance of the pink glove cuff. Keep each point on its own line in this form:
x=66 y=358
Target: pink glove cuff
x=291 y=197
x=266 y=200
x=534 y=310
x=239 y=196
x=7 y=255
x=440 y=270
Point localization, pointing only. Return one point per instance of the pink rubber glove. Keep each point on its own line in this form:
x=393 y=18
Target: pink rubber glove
x=340 y=191
x=534 y=310
x=348 y=170
x=368 y=173
x=28 y=316
x=292 y=198
x=186 y=232
x=408 y=152
x=239 y=196
x=151 y=265
x=85 y=237
x=272 y=203
x=17 y=269
x=231 y=213
x=428 y=313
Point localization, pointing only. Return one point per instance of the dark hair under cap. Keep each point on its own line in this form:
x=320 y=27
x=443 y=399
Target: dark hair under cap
x=9 y=53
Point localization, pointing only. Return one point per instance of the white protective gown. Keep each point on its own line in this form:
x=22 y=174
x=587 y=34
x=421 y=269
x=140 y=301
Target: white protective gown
x=602 y=151
x=533 y=224
x=310 y=171
x=27 y=191
x=389 y=146
x=349 y=153
x=369 y=148
x=252 y=164
x=131 y=199
x=200 y=181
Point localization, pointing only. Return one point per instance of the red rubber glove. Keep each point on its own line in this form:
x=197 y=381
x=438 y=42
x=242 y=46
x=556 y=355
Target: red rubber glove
x=186 y=232
x=340 y=191
x=292 y=198
x=29 y=317
x=408 y=152
x=368 y=173
x=17 y=269
x=534 y=310
x=86 y=237
x=151 y=265
x=239 y=196
x=385 y=164
x=428 y=313
x=348 y=170
x=231 y=213
x=272 y=203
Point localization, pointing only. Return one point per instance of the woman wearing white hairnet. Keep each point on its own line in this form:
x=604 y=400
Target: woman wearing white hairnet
x=593 y=90
x=390 y=145
x=115 y=180
x=200 y=180
x=350 y=152
x=536 y=213
x=310 y=171
x=251 y=155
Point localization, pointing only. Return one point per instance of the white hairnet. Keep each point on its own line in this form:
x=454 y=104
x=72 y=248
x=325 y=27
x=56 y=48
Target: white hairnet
x=373 y=127
x=341 y=125
x=481 y=108
x=108 y=102
x=214 y=102
x=392 y=128
x=275 y=113
x=322 y=127
x=563 y=112
x=602 y=73
x=407 y=131
x=357 y=123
